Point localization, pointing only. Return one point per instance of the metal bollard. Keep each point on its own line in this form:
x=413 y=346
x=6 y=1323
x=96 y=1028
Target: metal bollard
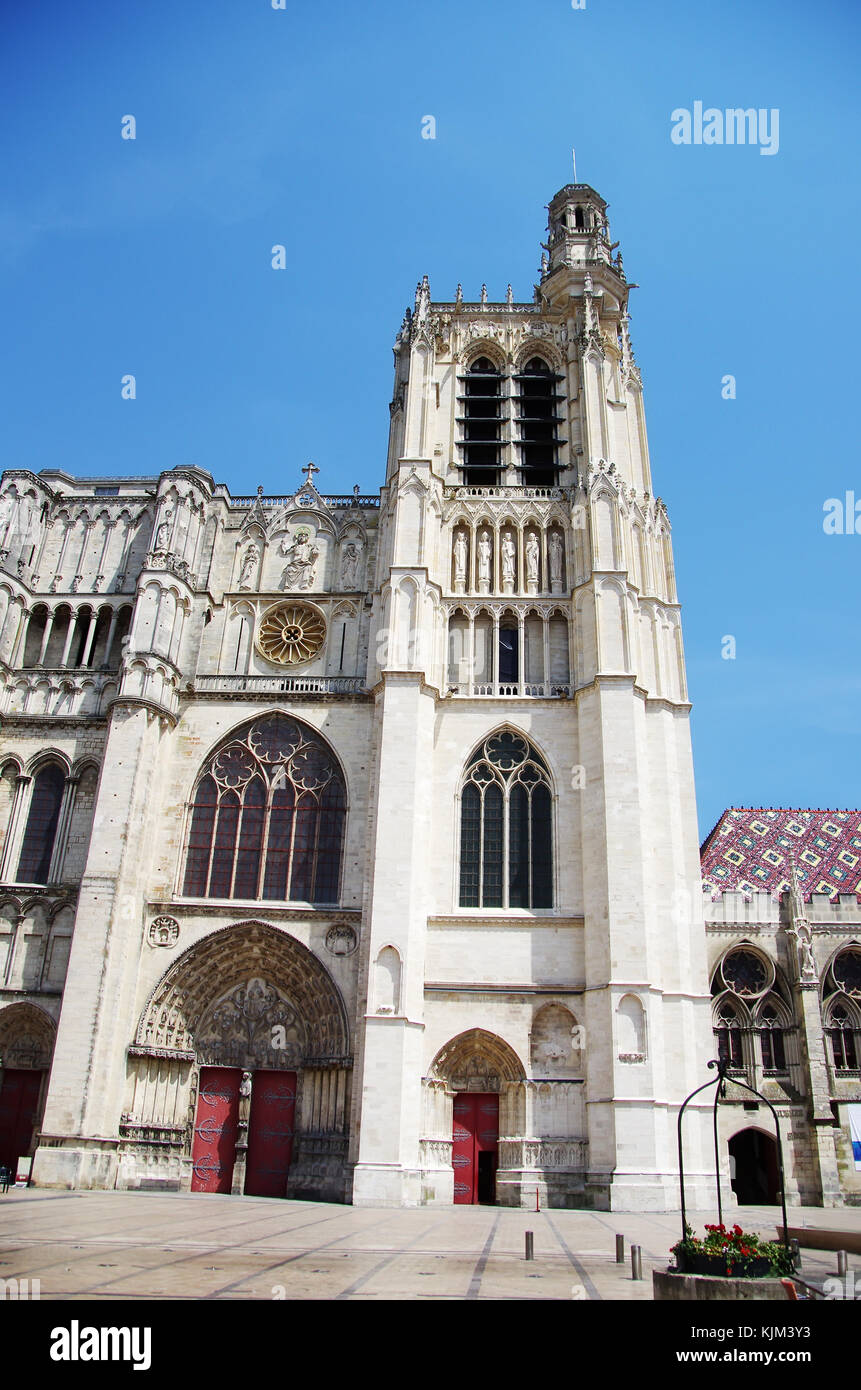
x=620 y=1250
x=636 y=1262
x=842 y=1262
x=530 y=1245
x=795 y=1251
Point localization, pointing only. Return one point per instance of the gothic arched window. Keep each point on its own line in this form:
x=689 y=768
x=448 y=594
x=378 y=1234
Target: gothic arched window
x=538 y=422
x=772 y=1027
x=37 y=845
x=481 y=402
x=267 y=817
x=845 y=1034
x=728 y=1026
x=506 y=856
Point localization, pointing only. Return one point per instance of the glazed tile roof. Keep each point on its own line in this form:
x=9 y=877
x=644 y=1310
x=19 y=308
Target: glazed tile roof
x=751 y=849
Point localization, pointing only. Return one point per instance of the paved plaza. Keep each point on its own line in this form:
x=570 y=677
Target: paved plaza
x=129 y=1245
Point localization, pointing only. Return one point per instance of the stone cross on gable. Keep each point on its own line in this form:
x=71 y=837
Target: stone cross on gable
x=310 y=469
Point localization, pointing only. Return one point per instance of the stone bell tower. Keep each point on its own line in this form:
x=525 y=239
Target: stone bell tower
x=526 y=585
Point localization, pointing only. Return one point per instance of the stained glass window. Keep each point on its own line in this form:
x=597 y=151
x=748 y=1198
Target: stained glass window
x=506 y=855
x=267 y=819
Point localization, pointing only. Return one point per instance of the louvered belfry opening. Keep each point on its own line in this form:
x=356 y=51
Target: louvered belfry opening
x=482 y=406
x=538 y=400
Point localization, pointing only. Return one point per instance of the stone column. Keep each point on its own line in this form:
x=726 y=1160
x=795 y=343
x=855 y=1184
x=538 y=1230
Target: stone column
x=388 y=1171
x=88 y=641
x=471 y=652
x=61 y=838
x=46 y=637
x=64 y=546
x=112 y=628
x=318 y=1168
x=11 y=849
x=521 y=652
x=80 y=1135
x=21 y=641
x=73 y=626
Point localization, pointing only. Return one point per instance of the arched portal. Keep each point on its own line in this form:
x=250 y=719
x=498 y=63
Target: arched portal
x=468 y=1087
x=754 y=1171
x=245 y=1042
x=476 y=1061
x=26 y=1045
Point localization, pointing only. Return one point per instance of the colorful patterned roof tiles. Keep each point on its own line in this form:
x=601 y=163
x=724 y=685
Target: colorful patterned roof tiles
x=751 y=850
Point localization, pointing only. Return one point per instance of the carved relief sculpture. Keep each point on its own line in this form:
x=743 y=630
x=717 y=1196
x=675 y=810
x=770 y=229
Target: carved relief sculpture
x=350 y=564
x=162 y=535
x=248 y=572
x=302 y=557
x=163 y=931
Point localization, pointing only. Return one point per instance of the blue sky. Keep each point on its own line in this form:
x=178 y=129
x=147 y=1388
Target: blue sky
x=302 y=126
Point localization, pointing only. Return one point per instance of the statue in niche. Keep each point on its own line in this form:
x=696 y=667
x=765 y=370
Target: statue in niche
x=249 y=567
x=302 y=557
x=532 y=553
x=350 y=564
x=555 y=560
x=484 y=551
x=460 y=558
x=509 y=552
x=162 y=535
x=806 y=961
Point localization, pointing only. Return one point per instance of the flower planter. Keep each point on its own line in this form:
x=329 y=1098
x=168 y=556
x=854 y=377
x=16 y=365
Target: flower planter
x=671 y=1285
x=722 y=1266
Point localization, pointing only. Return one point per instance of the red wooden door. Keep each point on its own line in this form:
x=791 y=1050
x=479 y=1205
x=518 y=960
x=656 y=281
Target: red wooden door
x=475 y=1146
x=215 y=1128
x=19 y=1106
x=270 y=1133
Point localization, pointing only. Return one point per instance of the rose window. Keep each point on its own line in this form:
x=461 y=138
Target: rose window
x=745 y=973
x=291 y=633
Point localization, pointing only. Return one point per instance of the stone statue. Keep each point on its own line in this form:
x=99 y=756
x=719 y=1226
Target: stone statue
x=460 y=558
x=302 y=557
x=484 y=550
x=350 y=564
x=555 y=558
x=805 y=957
x=532 y=558
x=162 y=535
x=508 y=555
x=249 y=567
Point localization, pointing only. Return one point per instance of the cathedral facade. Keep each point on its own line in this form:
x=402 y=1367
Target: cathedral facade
x=349 y=843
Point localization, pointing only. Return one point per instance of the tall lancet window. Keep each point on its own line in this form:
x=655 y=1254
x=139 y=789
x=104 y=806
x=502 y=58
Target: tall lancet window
x=43 y=817
x=267 y=817
x=538 y=420
x=506 y=826
x=481 y=415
